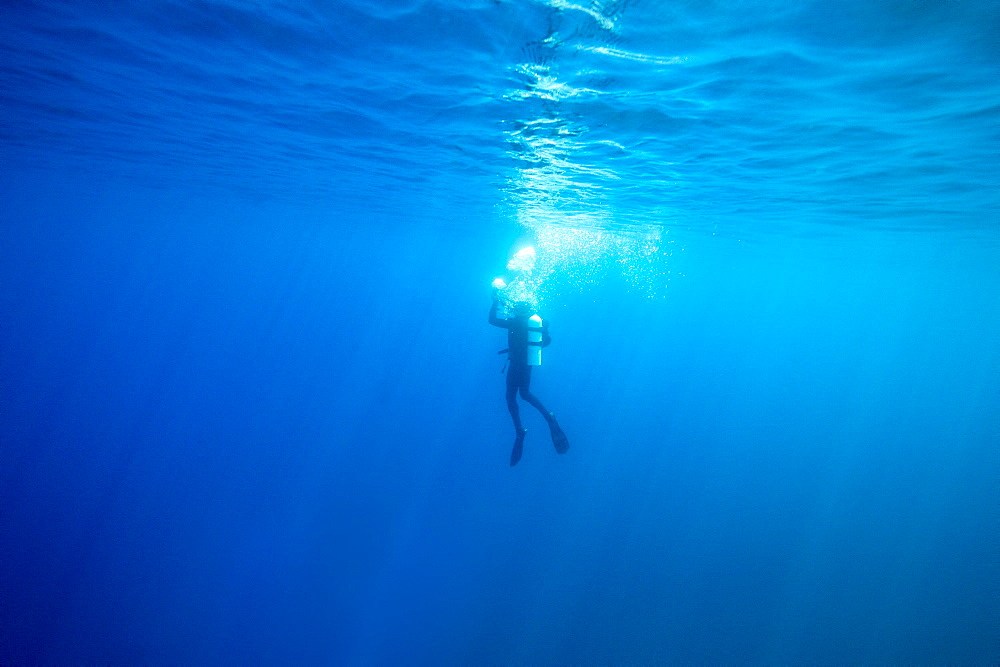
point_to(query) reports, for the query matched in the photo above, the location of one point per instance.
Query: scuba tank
(534, 341)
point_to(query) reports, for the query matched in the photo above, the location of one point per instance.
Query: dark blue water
(252, 410)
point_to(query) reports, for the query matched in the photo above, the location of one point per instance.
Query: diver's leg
(559, 439)
(513, 380)
(515, 412)
(531, 398)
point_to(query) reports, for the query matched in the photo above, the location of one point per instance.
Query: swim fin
(515, 454)
(559, 440)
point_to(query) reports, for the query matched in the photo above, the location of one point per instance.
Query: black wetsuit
(519, 372)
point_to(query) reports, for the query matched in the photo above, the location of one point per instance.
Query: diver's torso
(517, 340)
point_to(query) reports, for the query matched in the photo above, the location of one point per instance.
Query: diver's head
(522, 309)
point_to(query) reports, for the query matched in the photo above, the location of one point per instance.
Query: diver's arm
(494, 320)
(546, 338)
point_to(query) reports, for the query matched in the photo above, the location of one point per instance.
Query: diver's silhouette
(519, 372)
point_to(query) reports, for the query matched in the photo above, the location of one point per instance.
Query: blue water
(252, 410)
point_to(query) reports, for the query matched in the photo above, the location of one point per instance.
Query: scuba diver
(526, 336)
